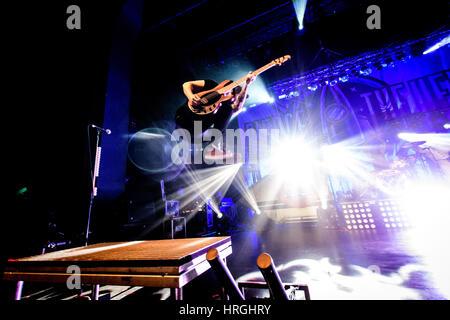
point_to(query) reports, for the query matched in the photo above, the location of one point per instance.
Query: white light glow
(438, 45)
(436, 140)
(327, 281)
(426, 207)
(293, 161)
(300, 7)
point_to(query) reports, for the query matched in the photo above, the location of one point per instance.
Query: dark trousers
(185, 118)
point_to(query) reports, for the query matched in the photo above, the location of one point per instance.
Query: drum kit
(404, 166)
(413, 160)
(397, 166)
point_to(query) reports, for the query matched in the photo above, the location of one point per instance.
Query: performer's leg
(223, 117)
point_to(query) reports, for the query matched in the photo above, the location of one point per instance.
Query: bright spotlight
(426, 206)
(338, 158)
(293, 161)
(300, 7)
(402, 135)
(406, 136)
(435, 140)
(343, 78)
(438, 45)
(447, 126)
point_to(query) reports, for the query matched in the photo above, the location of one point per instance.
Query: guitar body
(211, 99)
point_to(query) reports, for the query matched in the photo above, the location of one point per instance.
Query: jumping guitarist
(219, 119)
(213, 104)
(185, 117)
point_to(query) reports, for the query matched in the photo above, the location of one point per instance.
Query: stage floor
(334, 264)
(348, 265)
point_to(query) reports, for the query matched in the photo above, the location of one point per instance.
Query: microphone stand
(98, 150)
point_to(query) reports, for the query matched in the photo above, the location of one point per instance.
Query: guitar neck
(236, 83)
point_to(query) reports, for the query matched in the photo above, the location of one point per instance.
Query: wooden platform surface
(165, 263)
(171, 250)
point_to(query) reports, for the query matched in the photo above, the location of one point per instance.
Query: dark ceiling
(211, 31)
(194, 39)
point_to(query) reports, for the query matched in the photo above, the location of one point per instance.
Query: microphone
(107, 131)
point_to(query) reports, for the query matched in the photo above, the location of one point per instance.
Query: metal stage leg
(267, 267)
(95, 291)
(19, 288)
(307, 295)
(223, 274)
(225, 296)
(176, 293)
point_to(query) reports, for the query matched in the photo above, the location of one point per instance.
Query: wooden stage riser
(170, 251)
(147, 280)
(225, 250)
(101, 279)
(155, 263)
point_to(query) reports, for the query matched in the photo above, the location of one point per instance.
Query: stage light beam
(438, 45)
(240, 184)
(436, 140)
(300, 8)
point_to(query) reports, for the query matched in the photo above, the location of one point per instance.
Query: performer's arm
(241, 96)
(189, 89)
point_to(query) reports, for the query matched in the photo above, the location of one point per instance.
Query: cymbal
(413, 144)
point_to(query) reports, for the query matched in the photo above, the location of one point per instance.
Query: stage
(336, 265)
(203, 150)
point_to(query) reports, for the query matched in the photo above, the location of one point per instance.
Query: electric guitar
(212, 99)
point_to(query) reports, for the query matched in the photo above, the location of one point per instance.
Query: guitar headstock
(282, 60)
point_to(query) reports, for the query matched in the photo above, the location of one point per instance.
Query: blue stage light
(293, 94)
(438, 45)
(365, 70)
